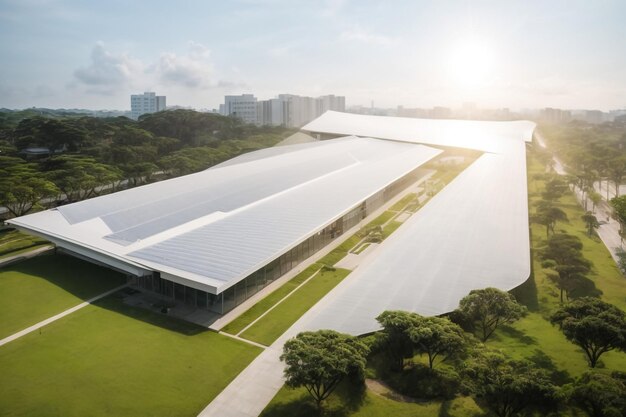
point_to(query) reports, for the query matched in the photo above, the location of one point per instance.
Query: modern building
(215, 238)
(286, 110)
(242, 107)
(473, 234)
(146, 103)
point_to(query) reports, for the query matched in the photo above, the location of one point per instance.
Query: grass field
(110, 359)
(13, 242)
(296, 403)
(277, 321)
(35, 289)
(254, 312)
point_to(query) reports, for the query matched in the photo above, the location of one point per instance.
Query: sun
(471, 63)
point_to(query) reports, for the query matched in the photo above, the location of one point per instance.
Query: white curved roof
(213, 228)
(472, 234)
(471, 134)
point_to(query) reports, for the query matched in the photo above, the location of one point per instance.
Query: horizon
(520, 55)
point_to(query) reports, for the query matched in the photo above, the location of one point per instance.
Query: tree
(595, 198)
(555, 188)
(80, 177)
(21, 186)
(547, 215)
(563, 254)
(395, 339)
(616, 169)
(320, 360)
(619, 208)
(508, 386)
(600, 395)
(591, 221)
(595, 326)
(437, 337)
(490, 308)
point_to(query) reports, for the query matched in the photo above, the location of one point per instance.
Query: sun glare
(470, 64)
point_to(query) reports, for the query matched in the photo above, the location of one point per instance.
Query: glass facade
(246, 288)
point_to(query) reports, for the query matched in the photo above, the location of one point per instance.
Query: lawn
(254, 312)
(109, 359)
(296, 403)
(277, 321)
(13, 242)
(38, 288)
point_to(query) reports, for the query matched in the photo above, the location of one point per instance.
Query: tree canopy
(600, 395)
(563, 254)
(437, 337)
(490, 308)
(508, 386)
(320, 360)
(595, 326)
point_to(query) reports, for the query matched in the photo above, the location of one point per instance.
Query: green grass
(13, 243)
(361, 248)
(390, 228)
(403, 202)
(266, 303)
(277, 321)
(340, 251)
(110, 359)
(534, 337)
(37, 288)
(380, 220)
(296, 403)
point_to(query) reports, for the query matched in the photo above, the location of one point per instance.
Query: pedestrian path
(58, 316)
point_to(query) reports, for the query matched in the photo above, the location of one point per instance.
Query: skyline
(564, 54)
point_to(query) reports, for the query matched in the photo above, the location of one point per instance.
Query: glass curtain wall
(237, 294)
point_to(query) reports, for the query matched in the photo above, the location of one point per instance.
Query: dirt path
(380, 388)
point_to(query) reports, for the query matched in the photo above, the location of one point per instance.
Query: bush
(419, 381)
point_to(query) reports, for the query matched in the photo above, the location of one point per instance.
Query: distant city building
(145, 103)
(594, 116)
(551, 115)
(286, 110)
(242, 107)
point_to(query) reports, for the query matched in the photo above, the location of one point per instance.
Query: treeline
(458, 362)
(50, 157)
(591, 152)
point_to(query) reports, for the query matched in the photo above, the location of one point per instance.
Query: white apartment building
(286, 110)
(242, 106)
(145, 103)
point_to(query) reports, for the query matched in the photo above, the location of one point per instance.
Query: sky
(515, 54)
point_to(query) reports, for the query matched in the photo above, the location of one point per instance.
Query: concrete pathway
(58, 316)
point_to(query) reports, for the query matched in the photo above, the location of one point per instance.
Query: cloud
(108, 72)
(193, 70)
(360, 35)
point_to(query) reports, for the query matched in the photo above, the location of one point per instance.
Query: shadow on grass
(526, 293)
(346, 400)
(513, 333)
(116, 304)
(79, 278)
(543, 361)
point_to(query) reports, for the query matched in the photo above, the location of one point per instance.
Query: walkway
(58, 316)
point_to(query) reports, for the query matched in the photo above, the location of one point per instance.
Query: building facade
(288, 110)
(146, 103)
